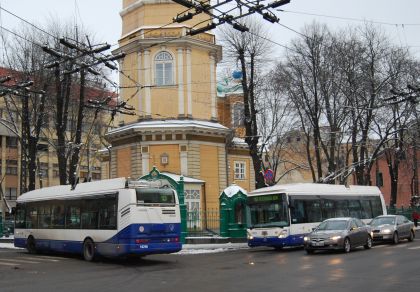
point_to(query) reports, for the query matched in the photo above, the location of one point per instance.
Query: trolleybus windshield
(268, 211)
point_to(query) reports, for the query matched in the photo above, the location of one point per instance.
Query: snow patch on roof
(232, 190)
(317, 189)
(182, 124)
(187, 179)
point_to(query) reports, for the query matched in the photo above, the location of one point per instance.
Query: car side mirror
(313, 229)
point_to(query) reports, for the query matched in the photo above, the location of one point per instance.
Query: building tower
(170, 79)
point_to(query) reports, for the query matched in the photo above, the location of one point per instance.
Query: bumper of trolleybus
(274, 241)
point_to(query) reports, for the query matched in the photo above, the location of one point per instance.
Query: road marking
(47, 259)
(8, 264)
(20, 261)
(417, 247)
(401, 246)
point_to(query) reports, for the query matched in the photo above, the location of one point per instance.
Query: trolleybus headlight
(306, 238)
(335, 237)
(283, 234)
(250, 237)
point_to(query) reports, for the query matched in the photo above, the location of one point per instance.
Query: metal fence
(407, 212)
(203, 223)
(6, 228)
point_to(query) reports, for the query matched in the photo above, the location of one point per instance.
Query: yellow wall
(157, 14)
(124, 162)
(209, 170)
(246, 183)
(173, 152)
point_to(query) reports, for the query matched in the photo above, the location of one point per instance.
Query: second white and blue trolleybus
(114, 217)
(281, 215)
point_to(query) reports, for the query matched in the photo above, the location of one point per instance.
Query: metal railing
(204, 223)
(6, 229)
(407, 212)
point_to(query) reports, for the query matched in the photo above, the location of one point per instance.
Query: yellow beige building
(181, 126)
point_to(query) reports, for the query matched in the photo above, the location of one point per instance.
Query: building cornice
(141, 3)
(140, 44)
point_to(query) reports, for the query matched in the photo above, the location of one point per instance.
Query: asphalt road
(383, 268)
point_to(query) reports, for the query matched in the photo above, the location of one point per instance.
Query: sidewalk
(197, 248)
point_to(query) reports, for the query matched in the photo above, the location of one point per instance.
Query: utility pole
(83, 58)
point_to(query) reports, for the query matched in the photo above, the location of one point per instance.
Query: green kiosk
(233, 212)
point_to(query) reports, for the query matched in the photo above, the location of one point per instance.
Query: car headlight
(306, 238)
(337, 237)
(386, 230)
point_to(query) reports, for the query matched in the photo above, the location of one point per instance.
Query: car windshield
(268, 211)
(333, 225)
(383, 220)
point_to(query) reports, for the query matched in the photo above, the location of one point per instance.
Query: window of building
(238, 114)
(379, 179)
(11, 170)
(163, 69)
(11, 142)
(239, 170)
(11, 194)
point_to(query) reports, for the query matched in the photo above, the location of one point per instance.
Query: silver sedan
(392, 228)
(339, 234)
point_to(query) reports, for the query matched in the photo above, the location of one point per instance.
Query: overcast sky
(102, 17)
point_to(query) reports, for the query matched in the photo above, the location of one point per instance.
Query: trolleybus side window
(108, 213)
(98, 212)
(20, 216)
(73, 215)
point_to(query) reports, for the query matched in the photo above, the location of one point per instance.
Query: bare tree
(55, 59)
(248, 49)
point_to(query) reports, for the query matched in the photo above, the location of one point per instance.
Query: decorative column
(147, 83)
(184, 163)
(139, 101)
(213, 88)
(180, 60)
(145, 157)
(189, 92)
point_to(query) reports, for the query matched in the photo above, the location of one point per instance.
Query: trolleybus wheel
(88, 250)
(31, 245)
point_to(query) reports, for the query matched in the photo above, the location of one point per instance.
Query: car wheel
(347, 245)
(411, 237)
(31, 245)
(88, 250)
(368, 244)
(395, 238)
(309, 251)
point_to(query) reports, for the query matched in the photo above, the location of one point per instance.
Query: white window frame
(164, 58)
(239, 170)
(238, 114)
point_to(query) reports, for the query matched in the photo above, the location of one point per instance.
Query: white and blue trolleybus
(281, 215)
(114, 217)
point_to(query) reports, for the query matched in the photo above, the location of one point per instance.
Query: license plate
(317, 243)
(264, 233)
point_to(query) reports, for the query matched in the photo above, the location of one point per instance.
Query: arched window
(163, 69)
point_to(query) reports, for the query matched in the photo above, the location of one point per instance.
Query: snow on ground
(187, 249)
